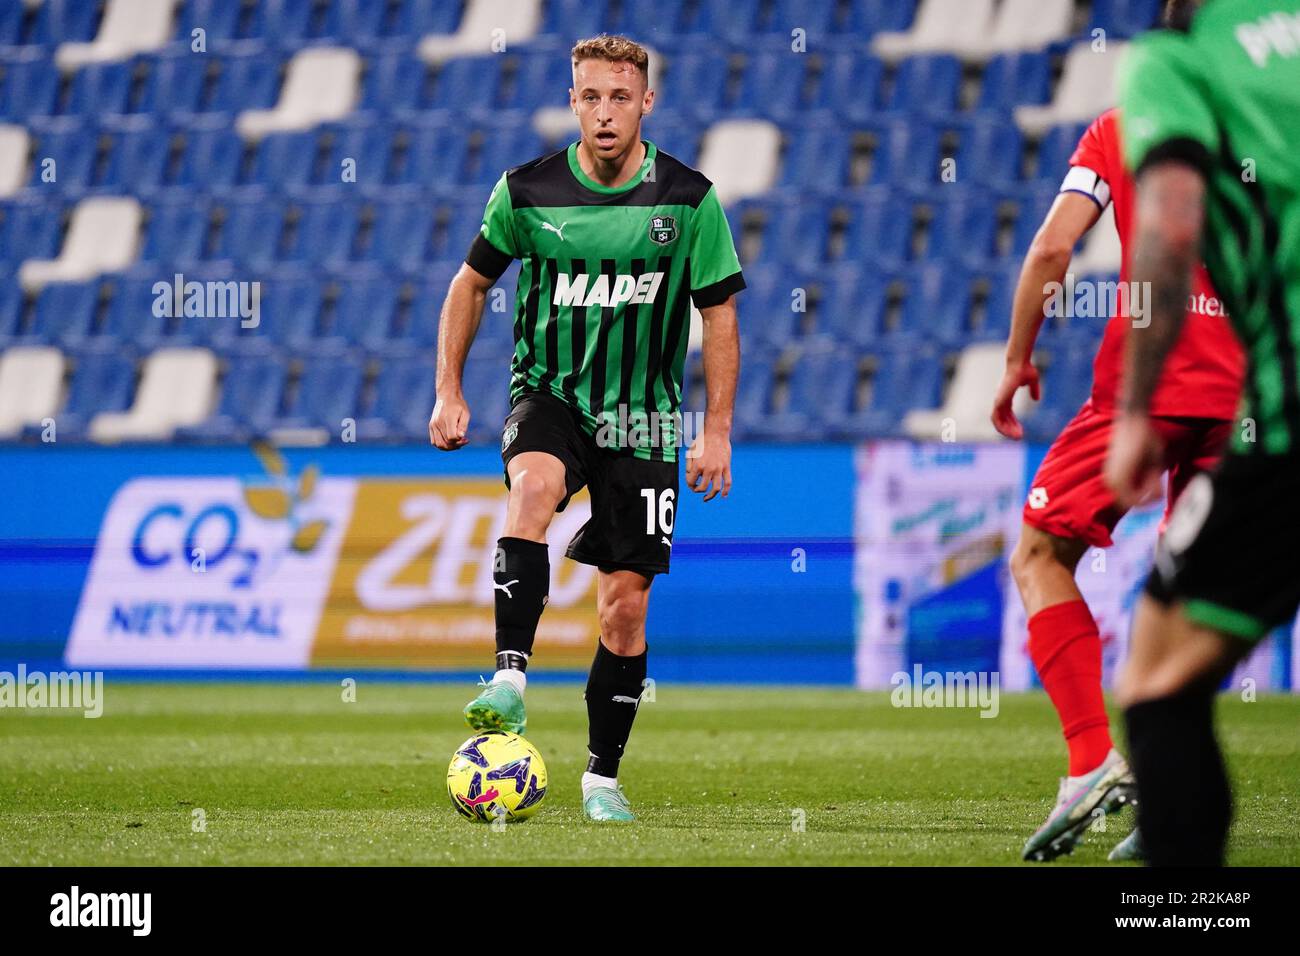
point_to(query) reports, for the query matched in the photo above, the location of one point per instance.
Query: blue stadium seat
(1066, 384)
(244, 81)
(217, 19)
(1011, 79)
(1054, 151)
(1032, 206)
(284, 160)
(11, 306)
(71, 145)
(138, 159)
(362, 313)
(926, 85)
(64, 312)
(504, 144)
(251, 392)
(906, 154)
(398, 24)
(675, 134)
(793, 231)
(853, 304)
(903, 379)
(326, 393)
(321, 233)
(938, 301)
(869, 17)
(989, 153)
(175, 231)
(392, 82)
(754, 394)
(879, 229)
(850, 87)
(210, 159)
(30, 230)
(821, 390)
(469, 83)
(486, 387)
(369, 146)
(962, 226)
(290, 310)
(404, 399)
(402, 232)
(254, 230)
(699, 79)
(44, 25)
(1123, 18)
(541, 78)
(773, 85)
(736, 21)
(133, 314)
(102, 380)
(771, 310)
(175, 83)
(31, 87)
(99, 89)
(569, 19)
(815, 157)
(815, 17)
(430, 154)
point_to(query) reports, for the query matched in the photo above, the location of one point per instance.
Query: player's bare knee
(622, 621)
(535, 494)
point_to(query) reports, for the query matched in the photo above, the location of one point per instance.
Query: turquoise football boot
(497, 707)
(605, 804)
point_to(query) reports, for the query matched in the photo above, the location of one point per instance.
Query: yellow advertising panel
(412, 586)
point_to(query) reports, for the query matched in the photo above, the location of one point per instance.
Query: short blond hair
(615, 49)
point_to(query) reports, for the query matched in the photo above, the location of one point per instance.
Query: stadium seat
(820, 393)
(321, 85)
(31, 384)
(961, 227)
(481, 22)
(1086, 90)
(101, 381)
(814, 158)
(941, 26)
(740, 157)
(903, 378)
(1123, 18)
(29, 228)
(251, 391)
(937, 304)
(31, 87)
(102, 237)
(925, 84)
(989, 153)
(905, 154)
(964, 414)
(1054, 151)
(1024, 25)
(849, 87)
(128, 27)
(1011, 79)
(404, 398)
(326, 394)
(879, 230)
(176, 388)
(64, 312)
(14, 146)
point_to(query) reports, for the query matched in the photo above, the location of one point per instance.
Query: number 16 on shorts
(659, 506)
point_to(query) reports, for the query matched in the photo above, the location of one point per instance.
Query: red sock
(1066, 650)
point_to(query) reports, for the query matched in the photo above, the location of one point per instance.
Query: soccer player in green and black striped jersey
(616, 239)
(1211, 121)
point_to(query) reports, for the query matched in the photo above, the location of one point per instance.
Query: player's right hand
(449, 423)
(1003, 418)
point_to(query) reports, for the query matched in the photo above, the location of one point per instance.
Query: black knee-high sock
(1184, 798)
(521, 579)
(613, 695)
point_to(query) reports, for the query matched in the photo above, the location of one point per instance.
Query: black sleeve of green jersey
(718, 292)
(486, 259)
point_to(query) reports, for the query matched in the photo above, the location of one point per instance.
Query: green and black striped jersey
(602, 310)
(1225, 96)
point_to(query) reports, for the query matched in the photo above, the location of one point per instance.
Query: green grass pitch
(291, 774)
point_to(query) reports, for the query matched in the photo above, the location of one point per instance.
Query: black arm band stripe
(719, 292)
(486, 259)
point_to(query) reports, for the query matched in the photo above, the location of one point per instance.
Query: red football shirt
(1203, 374)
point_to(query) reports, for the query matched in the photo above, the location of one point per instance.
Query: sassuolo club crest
(663, 229)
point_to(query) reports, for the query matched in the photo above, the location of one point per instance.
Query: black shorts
(1229, 555)
(633, 500)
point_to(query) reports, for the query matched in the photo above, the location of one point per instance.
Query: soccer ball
(496, 773)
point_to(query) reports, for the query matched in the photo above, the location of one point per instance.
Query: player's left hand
(708, 465)
(1134, 464)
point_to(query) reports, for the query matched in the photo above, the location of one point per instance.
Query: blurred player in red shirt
(1069, 508)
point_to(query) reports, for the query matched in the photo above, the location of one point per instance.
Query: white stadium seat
(941, 26)
(1086, 90)
(1025, 25)
(741, 157)
(178, 388)
(104, 237)
(483, 26)
(31, 386)
(979, 369)
(322, 85)
(129, 27)
(14, 145)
